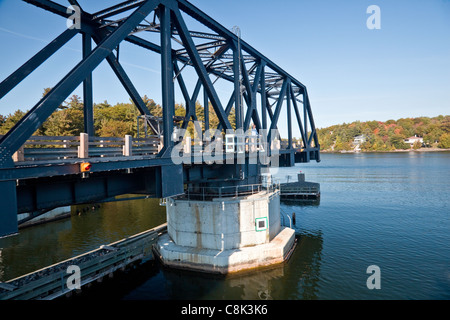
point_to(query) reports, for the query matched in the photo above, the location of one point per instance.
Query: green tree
(398, 143)
(67, 121)
(417, 145)
(444, 141)
(10, 120)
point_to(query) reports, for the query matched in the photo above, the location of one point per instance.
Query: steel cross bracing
(215, 54)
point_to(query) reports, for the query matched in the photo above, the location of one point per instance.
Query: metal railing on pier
(209, 192)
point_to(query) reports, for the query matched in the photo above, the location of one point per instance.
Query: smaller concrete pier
(300, 190)
(225, 234)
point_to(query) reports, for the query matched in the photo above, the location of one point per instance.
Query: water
(388, 209)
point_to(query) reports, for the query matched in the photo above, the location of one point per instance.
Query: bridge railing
(234, 143)
(39, 148)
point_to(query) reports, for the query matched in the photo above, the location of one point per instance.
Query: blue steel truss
(218, 53)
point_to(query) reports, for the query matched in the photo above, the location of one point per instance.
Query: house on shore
(412, 140)
(358, 141)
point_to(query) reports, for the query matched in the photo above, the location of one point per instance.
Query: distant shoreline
(390, 151)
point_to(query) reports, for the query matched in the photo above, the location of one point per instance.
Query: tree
(417, 145)
(444, 141)
(10, 120)
(67, 121)
(398, 143)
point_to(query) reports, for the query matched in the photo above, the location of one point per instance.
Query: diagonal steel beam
(273, 124)
(50, 6)
(311, 121)
(299, 120)
(19, 134)
(190, 108)
(252, 112)
(116, 9)
(200, 68)
(17, 76)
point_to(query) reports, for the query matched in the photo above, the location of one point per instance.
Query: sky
(351, 72)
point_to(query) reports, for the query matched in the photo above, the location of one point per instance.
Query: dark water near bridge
(391, 210)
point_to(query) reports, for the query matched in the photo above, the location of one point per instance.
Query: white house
(357, 141)
(412, 140)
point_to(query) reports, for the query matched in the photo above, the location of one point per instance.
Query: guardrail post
(187, 145)
(83, 148)
(127, 148)
(161, 143)
(19, 155)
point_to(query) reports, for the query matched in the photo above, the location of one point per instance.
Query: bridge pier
(225, 234)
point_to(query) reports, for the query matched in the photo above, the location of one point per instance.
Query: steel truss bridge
(261, 89)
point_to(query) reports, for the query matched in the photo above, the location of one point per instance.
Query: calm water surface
(389, 209)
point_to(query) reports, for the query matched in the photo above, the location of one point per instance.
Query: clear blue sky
(351, 72)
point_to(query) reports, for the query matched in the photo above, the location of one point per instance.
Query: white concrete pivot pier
(225, 234)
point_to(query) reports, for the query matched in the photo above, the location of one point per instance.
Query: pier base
(225, 235)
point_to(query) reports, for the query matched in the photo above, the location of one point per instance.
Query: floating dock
(300, 190)
(52, 282)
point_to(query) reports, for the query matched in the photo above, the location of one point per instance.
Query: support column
(289, 115)
(206, 110)
(237, 89)
(87, 91)
(167, 79)
(263, 98)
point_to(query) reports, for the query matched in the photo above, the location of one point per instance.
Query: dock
(300, 190)
(54, 281)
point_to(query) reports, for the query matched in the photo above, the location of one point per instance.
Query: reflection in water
(42, 245)
(298, 278)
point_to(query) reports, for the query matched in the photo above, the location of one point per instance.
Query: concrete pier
(225, 234)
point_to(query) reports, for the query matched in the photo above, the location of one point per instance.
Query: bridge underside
(261, 92)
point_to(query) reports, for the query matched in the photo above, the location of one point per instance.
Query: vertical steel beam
(289, 116)
(305, 118)
(237, 89)
(263, 98)
(206, 109)
(168, 102)
(88, 103)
